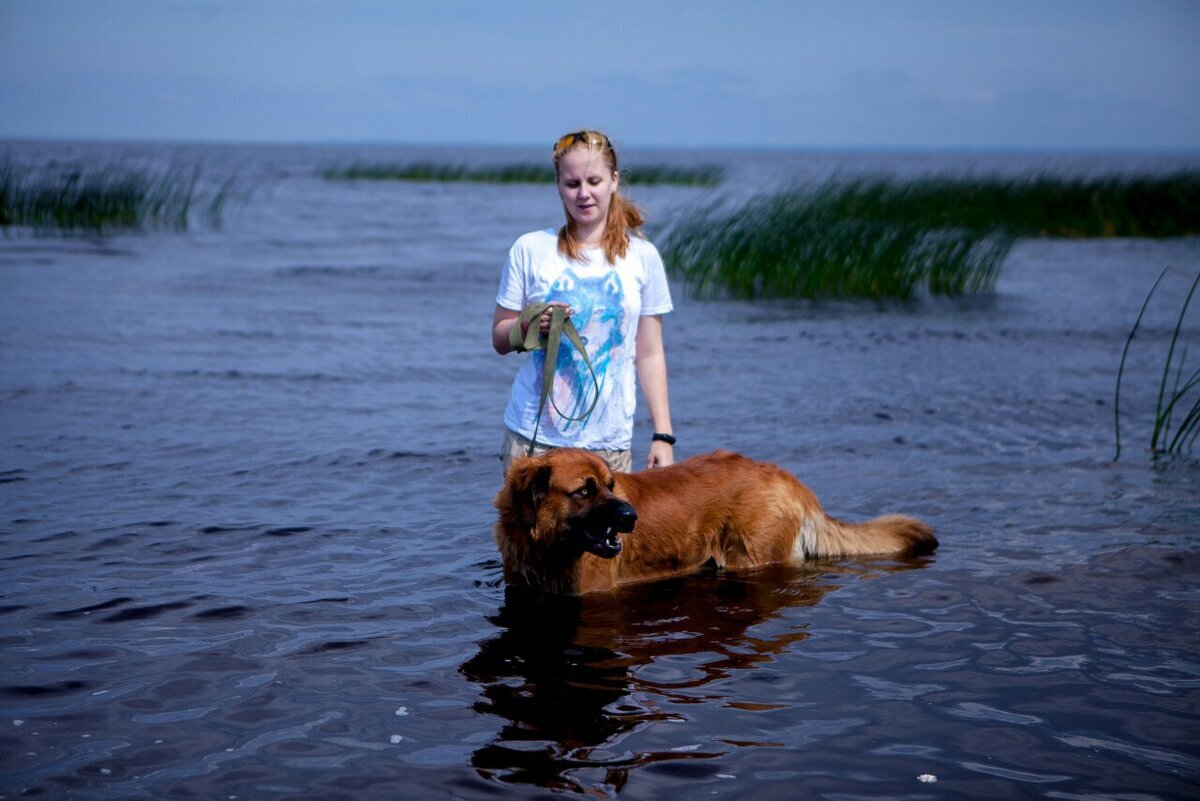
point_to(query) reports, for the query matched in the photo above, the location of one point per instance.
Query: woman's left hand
(661, 455)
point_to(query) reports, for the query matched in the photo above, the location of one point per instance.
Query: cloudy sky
(1040, 74)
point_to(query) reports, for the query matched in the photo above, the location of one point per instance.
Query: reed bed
(1177, 410)
(885, 237)
(1036, 206)
(650, 175)
(102, 198)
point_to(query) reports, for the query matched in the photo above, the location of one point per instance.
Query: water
(247, 476)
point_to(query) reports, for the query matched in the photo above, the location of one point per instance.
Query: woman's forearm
(652, 372)
(502, 322)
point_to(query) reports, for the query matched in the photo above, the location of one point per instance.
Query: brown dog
(562, 515)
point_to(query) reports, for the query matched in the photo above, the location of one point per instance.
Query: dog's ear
(527, 482)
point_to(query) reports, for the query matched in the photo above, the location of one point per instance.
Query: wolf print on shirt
(599, 316)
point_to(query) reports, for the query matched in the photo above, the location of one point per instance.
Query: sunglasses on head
(587, 137)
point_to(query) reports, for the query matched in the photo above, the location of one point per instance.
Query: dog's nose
(624, 517)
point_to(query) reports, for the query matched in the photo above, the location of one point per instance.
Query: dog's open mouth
(605, 543)
(602, 537)
(599, 530)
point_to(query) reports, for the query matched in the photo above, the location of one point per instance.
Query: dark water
(246, 516)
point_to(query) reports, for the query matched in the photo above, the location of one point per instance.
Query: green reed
(101, 198)
(1176, 423)
(650, 175)
(664, 175)
(884, 237)
(1035, 206)
(805, 245)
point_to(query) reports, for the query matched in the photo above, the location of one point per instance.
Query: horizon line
(996, 149)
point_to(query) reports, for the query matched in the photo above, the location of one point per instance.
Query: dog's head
(566, 498)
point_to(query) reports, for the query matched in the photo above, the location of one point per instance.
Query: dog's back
(741, 513)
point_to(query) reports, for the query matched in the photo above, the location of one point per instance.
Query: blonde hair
(624, 216)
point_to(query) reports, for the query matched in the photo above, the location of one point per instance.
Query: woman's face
(586, 185)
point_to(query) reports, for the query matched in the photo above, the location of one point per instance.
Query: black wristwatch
(661, 437)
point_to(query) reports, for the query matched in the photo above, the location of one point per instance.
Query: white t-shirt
(608, 299)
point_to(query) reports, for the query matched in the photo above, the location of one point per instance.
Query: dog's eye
(584, 492)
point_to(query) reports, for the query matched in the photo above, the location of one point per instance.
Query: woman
(612, 283)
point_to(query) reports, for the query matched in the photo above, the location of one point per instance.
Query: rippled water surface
(246, 485)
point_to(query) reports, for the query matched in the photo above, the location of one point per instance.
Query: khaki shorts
(515, 445)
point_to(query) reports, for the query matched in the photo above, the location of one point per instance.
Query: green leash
(534, 340)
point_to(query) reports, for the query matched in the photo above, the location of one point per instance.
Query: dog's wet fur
(569, 524)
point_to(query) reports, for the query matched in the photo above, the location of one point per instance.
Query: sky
(922, 74)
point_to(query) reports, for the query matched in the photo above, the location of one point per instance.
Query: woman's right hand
(504, 320)
(544, 320)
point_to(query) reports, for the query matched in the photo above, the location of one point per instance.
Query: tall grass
(661, 174)
(650, 175)
(885, 237)
(1035, 206)
(102, 198)
(1176, 423)
(430, 171)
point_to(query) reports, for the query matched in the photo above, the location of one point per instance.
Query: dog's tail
(822, 536)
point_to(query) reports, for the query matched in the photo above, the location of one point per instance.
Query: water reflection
(572, 678)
